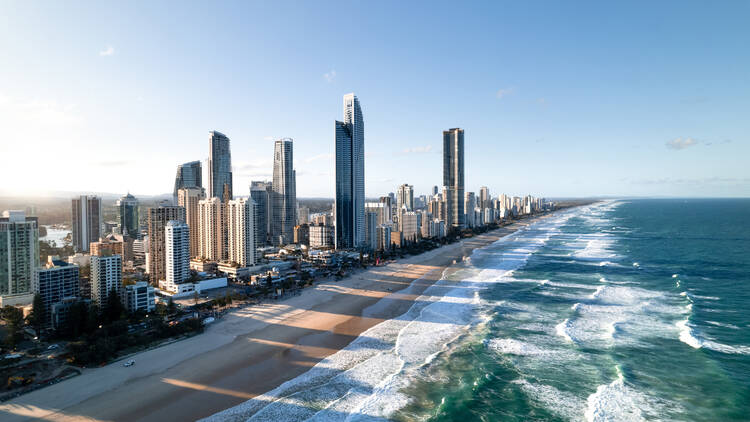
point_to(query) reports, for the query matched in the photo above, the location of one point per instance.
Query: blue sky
(556, 98)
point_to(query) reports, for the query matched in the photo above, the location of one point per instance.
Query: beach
(250, 351)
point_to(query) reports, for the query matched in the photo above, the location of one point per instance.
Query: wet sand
(247, 353)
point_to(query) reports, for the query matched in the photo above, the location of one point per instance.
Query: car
(131, 362)
(53, 346)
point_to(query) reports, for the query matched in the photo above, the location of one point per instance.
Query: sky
(557, 99)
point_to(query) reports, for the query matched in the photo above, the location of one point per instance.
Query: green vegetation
(13, 318)
(38, 316)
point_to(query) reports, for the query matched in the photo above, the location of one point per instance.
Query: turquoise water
(618, 311)
(629, 310)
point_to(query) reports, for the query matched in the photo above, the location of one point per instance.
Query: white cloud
(418, 150)
(504, 92)
(330, 76)
(107, 51)
(680, 143)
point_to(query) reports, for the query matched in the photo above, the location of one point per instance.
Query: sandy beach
(249, 352)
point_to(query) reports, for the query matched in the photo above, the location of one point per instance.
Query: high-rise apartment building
(19, 257)
(384, 237)
(470, 202)
(371, 230)
(212, 224)
(106, 276)
(58, 281)
(260, 192)
(87, 221)
(408, 225)
(453, 175)
(350, 176)
(158, 217)
(320, 236)
(387, 202)
(302, 234)
(484, 197)
(284, 197)
(177, 251)
(219, 166)
(405, 196)
(127, 216)
(188, 198)
(241, 232)
(189, 175)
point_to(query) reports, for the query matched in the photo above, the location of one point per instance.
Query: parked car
(53, 346)
(131, 362)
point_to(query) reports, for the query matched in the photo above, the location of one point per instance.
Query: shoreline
(250, 351)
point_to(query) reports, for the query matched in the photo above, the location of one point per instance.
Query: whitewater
(592, 314)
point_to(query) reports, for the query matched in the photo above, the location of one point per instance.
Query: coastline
(251, 351)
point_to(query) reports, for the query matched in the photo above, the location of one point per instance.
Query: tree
(171, 308)
(92, 319)
(13, 318)
(38, 316)
(77, 319)
(85, 271)
(228, 298)
(114, 307)
(195, 297)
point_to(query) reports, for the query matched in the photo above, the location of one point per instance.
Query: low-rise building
(191, 287)
(203, 265)
(138, 297)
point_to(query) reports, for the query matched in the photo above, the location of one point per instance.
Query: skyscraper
(284, 209)
(241, 232)
(106, 276)
(260, 192)
(158, 217)
(19, 257)
(127, 216)
(350, 176)
(177, 251)
(213, 229)
(188, 198)
(189, 175)
(219, 166)
(453, 175)
(87, 221)
(484, 198)
(371, 230)
(405, 196)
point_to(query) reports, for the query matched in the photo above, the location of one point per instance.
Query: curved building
(350, 176)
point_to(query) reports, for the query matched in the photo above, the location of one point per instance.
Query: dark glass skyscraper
(350, 176)
(219, 167)
(127, 216)
(453, 176)
(259, 192)
(189, 175)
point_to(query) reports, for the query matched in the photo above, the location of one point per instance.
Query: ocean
(618, 311)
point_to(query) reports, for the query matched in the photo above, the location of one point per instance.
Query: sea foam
(367, 377)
